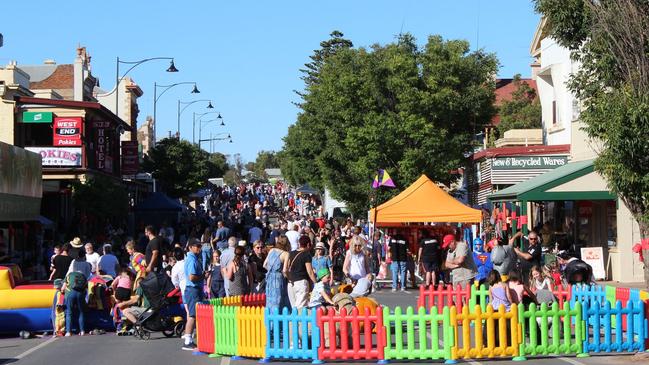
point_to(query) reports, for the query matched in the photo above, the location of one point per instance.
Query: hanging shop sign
(58, 156)
(103, 143)
(67, 131)
(130, 158)
(37, 117)
(528, 162)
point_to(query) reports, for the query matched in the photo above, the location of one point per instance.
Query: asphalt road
(109, 349)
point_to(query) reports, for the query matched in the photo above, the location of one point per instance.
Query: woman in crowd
(299, 269)
(276, 284)
(239, 273)
(356, 265)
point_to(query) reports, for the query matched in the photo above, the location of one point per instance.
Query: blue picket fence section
(604, 331)
(587, 293)
(292, 334)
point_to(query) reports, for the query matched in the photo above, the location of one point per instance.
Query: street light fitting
(209, 106)
(172, 67)
(195, 90)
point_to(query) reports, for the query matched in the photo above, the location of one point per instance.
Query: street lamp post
(213, 139)
(186, 105)
(118, 79)
(201, 121)
(156, 97)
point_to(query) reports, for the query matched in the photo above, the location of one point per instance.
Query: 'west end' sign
(528, 162)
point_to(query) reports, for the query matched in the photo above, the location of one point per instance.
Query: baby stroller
(160, 316)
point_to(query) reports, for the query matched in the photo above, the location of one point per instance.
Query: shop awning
(573, 181)
(424, 201)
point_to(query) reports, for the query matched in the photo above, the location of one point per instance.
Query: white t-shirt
(80, 266)
(93, 260)
(107, 264)
(293, 238)
(178, 275)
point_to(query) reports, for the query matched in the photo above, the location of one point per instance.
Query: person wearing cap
(194, 278)
(321, 291)
(429, 256)
(459, 260)
(398, 255)
(322, 261)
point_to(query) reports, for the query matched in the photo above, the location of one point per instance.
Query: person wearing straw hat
(76, 246)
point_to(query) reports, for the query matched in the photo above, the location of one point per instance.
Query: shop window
(554, 112)
(611, 223)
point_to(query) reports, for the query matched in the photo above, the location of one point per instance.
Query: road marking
(225, 360)
(569, 361)
(40, 346)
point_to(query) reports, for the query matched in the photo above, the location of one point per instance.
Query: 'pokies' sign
(67, 131)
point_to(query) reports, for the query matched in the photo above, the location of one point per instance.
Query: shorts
(136, 311)
(192, 296)
(430, 266)
(123, 294)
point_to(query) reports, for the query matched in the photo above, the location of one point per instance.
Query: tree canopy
(181, 167)
(609, 39)
(522, 111)
(400, 107)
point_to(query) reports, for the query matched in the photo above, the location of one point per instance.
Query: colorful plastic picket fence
(205, 328)
(341, 334)
(587, 293)
(562, 294)
(253, 300)
(441, 296)
(427, 327)
(599, 320)
(292, 334)
(541, 330)
(479, 296)
(232, 301)
(472, 343)
(227, 331)
(252, 332)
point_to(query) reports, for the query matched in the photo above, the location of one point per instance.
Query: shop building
(572, 205)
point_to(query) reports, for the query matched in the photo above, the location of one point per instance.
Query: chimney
(49, 61)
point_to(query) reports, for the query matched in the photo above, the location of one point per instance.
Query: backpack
(77, 281)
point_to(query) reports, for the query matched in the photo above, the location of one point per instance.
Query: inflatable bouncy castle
(24, 305)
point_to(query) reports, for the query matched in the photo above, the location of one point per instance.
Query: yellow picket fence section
(252, 332)
(500, 328)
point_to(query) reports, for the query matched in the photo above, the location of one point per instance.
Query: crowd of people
(266, 239)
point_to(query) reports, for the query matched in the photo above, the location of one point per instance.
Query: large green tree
(181, 167)
(100, 198)
(408, 109)
(610, 41)
(522, 111)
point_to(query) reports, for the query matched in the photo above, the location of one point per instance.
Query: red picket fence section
(563, 294)
(443, 296)
(253, 300)
(623, 295)
(205, 328)
(341, 334)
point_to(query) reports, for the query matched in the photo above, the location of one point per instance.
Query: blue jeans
(74, 300)
(206, 255)
(398, 268)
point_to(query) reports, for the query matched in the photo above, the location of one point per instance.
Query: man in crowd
(194, 279)
(293, 235)
(460, 260)
(153, 253)
(530, 255)
(61, 263)
(108, 263)
(226, 256)
(221, 236)
(398, 253)
(92, 257)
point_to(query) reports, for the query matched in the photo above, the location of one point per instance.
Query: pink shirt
(123, 282)
(517, 292)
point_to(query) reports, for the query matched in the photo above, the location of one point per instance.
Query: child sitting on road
(321, 291)
(122, 286)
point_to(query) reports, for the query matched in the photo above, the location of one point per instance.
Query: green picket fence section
(427, 327)
(216, 301)
(479, 296)
(227, 330)
(554, 326)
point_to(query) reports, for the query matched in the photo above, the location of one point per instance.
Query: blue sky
(245, 55)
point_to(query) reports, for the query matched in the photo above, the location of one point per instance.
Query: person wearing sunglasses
(530, 255)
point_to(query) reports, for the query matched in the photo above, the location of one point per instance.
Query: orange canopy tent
(423, 201)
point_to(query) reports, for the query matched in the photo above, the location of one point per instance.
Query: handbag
(383, 271)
